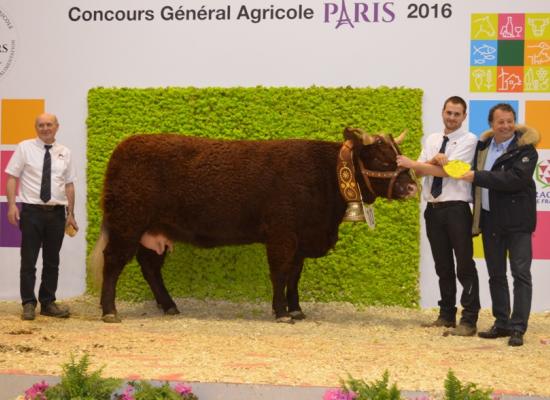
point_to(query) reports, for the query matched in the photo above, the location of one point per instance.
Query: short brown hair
(456, 100)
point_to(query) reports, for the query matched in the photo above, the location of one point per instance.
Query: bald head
(47, 117)
(46, 126)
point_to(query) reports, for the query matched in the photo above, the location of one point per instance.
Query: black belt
(444, 204)
(44, 207)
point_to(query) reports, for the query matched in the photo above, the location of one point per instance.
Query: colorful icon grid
(510, 53)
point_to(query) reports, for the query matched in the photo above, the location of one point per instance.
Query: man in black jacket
(505, 213)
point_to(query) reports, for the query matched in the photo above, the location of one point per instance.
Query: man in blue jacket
(505, 213)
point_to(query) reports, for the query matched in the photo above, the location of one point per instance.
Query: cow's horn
(367, 139)
(401, 137)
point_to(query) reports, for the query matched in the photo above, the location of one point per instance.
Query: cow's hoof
(172, 311)
(111, 318)
(298, 315)
(285, 320)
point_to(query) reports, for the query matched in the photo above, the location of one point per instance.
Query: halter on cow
(350, 190)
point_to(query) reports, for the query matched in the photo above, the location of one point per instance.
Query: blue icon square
(479, 113)
(483, 53)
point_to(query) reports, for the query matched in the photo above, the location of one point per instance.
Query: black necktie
(46, 184)
(437, 184)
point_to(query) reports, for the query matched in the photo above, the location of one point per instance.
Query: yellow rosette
(456, 168)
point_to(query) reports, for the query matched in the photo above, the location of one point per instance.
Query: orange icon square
(536, 115)
(18, 117)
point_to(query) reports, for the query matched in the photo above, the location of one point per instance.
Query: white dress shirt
(461, 146)
(26, 164)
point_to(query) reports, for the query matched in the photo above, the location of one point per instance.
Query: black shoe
(516, 339)
(28, 312)
(495, 332)
(54, 310)
(439, 322)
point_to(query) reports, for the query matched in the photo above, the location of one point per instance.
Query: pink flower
(127, 394)
(36, 391)
(339, 394)
(182, 389)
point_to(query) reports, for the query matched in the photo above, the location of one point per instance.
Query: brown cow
(284, 193)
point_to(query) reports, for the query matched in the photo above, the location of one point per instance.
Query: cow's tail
(96, 260)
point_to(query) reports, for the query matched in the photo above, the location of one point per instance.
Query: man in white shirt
(449, 218)
(46, 178)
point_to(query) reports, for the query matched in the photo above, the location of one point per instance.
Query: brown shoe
(54, 310)
(464, 330)
(28, 312)
(439, 322)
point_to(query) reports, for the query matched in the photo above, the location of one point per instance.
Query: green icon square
(483, 79)
(510, 52)
(537, 79)
(537, 26)
(484, 26)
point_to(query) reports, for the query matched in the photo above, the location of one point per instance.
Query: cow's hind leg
(292, 296)
(281, 248)
(151, 264)
(116, 255)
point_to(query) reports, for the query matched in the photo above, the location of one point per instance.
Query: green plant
(366, 267)
(78, 383)
(456, 390)
(377, 390)
(142, 390)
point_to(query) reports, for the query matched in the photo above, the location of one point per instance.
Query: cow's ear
(358, 137)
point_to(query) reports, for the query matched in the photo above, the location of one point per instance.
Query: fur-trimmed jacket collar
(526, 135)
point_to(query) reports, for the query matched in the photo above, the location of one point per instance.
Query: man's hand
(468, 176)
(439, 159)
(13, 214)
(71, 221)
(405, 162)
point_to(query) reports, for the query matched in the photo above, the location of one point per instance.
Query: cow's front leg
(292, 294)
(151, 264)
(116, 256)
(281, 248)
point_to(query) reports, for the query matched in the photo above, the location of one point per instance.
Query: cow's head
(375, 161)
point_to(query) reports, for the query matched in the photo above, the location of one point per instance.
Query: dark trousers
(40, 228)
(449, 229)
(517, 246)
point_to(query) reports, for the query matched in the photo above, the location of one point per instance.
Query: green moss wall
(366, 267)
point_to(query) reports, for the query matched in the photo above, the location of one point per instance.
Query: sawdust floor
(216, 341)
